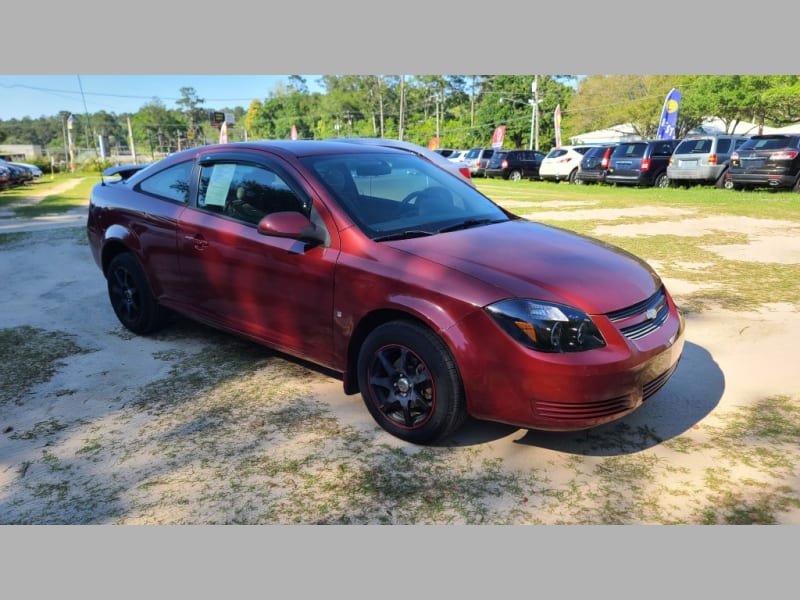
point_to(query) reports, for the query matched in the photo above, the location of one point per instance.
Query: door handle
(198, 241)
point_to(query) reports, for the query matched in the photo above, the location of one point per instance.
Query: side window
(662, 150)
(723, 145)
(245, 192)
(171, 183)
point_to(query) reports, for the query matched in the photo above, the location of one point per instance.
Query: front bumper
(508, 383)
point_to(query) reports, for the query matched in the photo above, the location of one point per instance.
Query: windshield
(401, 195)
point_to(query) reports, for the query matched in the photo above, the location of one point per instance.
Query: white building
(626, 133)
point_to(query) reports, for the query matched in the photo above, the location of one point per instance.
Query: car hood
(530, 260)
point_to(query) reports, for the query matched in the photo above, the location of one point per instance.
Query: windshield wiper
(403, 235)
(470, 223)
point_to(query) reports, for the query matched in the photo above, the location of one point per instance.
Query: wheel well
(362, 330)
(111, 251)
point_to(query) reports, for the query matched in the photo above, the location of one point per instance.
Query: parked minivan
(703, 159)
(641, 163)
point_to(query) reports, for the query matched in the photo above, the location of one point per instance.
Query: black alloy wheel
(410, 383)
(130, 295)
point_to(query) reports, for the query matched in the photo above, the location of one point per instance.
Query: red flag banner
(557, 120)
(499, 136)
(433, 144)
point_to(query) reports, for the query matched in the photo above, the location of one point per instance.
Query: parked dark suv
(514, 164)
(595, 164)
(642, 163)
(703, 159)
(766, 161)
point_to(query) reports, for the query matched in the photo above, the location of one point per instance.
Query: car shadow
(692, 393)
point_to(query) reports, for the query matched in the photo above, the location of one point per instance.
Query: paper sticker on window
(218, 185)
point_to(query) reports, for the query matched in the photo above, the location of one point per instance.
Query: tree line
(462, 111)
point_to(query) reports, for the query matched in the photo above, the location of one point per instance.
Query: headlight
(545, 326)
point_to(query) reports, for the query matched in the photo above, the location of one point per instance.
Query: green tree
(603, 101)
(192, 108)
(158, 126)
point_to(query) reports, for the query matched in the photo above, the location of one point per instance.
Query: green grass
(59, 203)
(764, 204)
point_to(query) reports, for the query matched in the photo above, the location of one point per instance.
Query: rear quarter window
(723, 146)
(172, 183)
(663, 148)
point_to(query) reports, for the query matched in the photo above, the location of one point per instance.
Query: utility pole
(536, 109)
(66, 148)
(472, 104)
(130, 140)
(436, 99)
(402, 105)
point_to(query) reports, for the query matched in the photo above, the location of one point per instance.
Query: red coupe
(432, 301)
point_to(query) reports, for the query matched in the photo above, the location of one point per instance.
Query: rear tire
(722, 181)
(514, 175)
(661, 181)
(410, 383)
(573, 174)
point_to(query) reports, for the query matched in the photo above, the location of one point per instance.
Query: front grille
(638, 331)
(647, 324)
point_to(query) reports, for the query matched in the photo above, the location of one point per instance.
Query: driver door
(277, 290)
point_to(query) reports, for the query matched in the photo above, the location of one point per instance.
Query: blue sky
(36, 95)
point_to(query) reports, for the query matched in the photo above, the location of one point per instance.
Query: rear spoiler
(124, 171)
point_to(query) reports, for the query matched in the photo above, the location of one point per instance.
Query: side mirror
(293, 225)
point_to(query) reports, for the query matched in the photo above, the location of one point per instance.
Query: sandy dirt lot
(193, 426)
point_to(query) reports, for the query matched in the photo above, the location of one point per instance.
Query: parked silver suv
(703, 159)
(477, 160)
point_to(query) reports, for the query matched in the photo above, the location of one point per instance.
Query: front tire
(130, 295)
(410, 383)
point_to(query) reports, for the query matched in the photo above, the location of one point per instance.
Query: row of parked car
(724, 160)
(15, 173)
